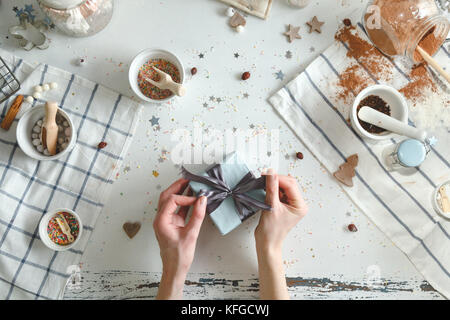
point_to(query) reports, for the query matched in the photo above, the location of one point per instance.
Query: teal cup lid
(412, 153)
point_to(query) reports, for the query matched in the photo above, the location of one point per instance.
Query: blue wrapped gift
(233, 193)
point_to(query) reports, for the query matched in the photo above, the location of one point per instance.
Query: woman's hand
(288, 208)
(177, 239)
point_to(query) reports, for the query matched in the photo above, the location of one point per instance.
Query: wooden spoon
(166, 82)
(49, 132)
(62, 222)
(433, 63)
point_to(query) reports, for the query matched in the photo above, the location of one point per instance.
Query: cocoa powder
(420, 80)
(352, 82)
(402, 21)
(363, 51)
(354, 79)
(429, 43)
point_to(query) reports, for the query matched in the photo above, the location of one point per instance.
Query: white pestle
(384, 121)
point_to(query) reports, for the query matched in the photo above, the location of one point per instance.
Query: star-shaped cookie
(315, 25)
(292, 34)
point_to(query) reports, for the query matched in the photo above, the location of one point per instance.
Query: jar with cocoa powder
(398, 27)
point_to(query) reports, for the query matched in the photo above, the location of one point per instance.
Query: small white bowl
(395, 100)
(141, 59)
(25, 129)
(44, 235)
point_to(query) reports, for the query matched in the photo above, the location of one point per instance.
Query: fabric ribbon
(246, 206)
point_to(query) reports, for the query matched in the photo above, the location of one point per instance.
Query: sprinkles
(146, 70)
(55, 233)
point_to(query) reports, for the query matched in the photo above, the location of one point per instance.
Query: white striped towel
(80, 181)
(399, 205)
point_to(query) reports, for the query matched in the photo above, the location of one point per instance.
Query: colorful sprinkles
(55, 233)
(146, 70)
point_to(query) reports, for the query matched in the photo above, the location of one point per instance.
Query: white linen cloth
(80, 181)
(399, 205)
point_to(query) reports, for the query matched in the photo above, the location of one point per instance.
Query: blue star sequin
(432, 141)
(279, 75)
(154, 121)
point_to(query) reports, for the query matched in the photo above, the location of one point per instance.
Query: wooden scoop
(49, 132)
(62, 222)
(166, 82)
(433, 63)
(444, 200)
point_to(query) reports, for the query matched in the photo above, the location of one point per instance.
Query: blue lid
(411, 153)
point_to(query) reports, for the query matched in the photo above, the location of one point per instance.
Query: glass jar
(410, 153)
(399, 27)
(78, 18)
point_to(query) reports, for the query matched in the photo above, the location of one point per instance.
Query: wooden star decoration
(292, 34)
(315, 25)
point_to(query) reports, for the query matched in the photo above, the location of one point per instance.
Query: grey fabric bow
(246, 206)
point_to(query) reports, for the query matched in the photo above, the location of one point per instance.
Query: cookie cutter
(30, 34)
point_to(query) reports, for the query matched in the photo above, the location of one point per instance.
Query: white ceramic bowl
(25, 129)
(141, 59)
(44, 235)
(395, 100)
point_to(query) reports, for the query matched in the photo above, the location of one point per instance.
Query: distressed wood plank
(118, 284)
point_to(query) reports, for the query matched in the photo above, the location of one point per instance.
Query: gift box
(234, 194)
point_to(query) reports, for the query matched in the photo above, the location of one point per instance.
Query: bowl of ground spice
(384, 99)
(142, 68)
(60, 229)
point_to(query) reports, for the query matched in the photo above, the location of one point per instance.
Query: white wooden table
(323, 260)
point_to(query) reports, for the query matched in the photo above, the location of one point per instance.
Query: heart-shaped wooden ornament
(237, 20)
(131, 229)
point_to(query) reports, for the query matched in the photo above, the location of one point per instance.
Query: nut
(102, 145)
(246, 75)
(352, 228)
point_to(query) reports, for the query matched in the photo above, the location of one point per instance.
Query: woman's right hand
(288, 208)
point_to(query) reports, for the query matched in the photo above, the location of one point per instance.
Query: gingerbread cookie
(347, 171)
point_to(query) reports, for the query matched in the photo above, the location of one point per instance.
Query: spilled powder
(352, 81)
(420, 80)
(363, 51)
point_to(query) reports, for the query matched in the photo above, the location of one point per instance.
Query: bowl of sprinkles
(60, 229)
(142, 67)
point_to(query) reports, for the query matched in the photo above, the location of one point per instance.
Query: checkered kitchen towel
(399, 205)
(79, 181)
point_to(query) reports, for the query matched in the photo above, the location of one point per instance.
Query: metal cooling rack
(8, 82)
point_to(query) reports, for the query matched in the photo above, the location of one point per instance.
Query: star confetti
(205, 105)
(246, 95)
(219, 100)
(201, 55)
(292, 34)
(279, 75)
(315, 25)
(212, 98)
(288, 54)
(154, 121)
(236, 55)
